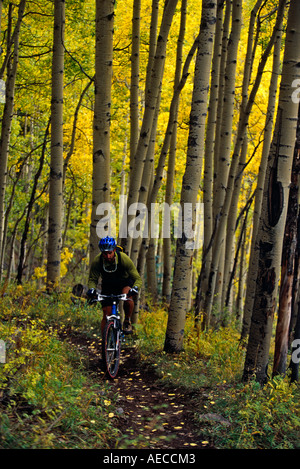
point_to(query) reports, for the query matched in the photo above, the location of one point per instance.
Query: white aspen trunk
(191, 180)
(102, 112)
(56, 163)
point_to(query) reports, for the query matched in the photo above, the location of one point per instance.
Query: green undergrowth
(229, 414)
(48, 399)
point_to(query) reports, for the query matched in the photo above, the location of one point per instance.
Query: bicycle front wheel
(111, 349)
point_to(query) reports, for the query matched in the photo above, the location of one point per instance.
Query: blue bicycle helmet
(107, 244)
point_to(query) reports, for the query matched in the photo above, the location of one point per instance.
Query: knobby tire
(111, 349)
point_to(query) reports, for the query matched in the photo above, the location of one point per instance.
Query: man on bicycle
(118, 274)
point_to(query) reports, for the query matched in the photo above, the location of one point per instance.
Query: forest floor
(148, 414)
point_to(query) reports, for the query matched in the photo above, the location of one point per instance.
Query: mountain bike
(113, 335)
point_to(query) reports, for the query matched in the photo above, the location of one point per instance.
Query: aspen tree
(169, 140)
(128, 244)
(167, 256)
(252, 269)
(221, 86)
(288, 267)
(151, 98)
(230, 229)
(135, 76)
(102, 115)
(149, 189)
(208, 175)
(224, 151)
(191, 179)
(56, 163)
(220, 237)
(12, 66)
(30, 208)
(274, 207)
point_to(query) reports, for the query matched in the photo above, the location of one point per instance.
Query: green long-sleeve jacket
(125, 269)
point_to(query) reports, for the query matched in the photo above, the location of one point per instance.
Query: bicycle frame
(112, 335)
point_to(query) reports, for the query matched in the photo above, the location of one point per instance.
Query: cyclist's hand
(133, 291)
(91, 293)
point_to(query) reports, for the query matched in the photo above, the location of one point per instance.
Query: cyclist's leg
(128, 310)
(106, 312)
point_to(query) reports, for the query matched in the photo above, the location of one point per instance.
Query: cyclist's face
(109, 255)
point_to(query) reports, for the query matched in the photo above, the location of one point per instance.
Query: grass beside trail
(48, 399)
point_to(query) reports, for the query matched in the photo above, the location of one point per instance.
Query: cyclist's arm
(94, 273)
(132, 271)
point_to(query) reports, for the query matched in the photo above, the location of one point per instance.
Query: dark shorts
(115, 288)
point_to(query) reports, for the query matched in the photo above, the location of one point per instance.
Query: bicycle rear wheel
(111, 349)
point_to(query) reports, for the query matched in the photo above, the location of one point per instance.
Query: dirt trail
(157, 417)
(147, 414)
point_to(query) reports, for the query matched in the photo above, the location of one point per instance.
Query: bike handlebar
(120, 297)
